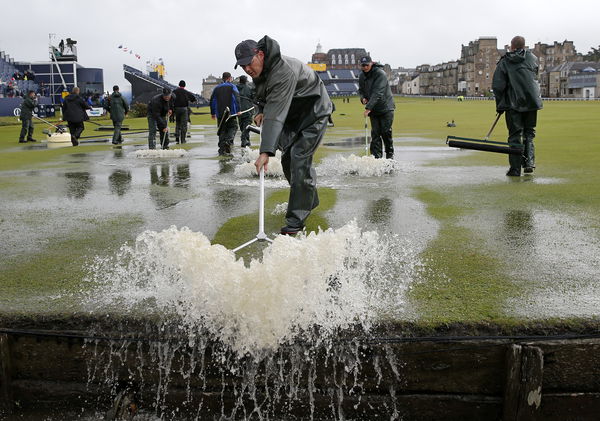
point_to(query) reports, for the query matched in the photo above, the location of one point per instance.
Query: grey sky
(196, 38)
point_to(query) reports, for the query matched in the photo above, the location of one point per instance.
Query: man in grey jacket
(518, 94)
(293, 107)
(376, 95)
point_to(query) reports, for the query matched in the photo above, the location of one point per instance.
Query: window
(333, 59)
(352, 59)
(346, 59)
(339, 59)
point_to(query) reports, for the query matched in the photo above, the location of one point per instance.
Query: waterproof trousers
(227, 136)
(381, 132)
(245, 120)
(117, 138)
(181, 120)
(521, 130)
(163, 136)
(75, 129)
(26, 128)
(296, 160)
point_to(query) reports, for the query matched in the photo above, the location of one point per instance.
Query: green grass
(57, 270)
(238, 230)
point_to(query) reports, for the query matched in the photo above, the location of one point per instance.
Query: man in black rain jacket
(74, 113)
(518, 95)
(27, 107)
(118, 108)
(293, 107)
(182, 102)
(376, 95)
(159, 109)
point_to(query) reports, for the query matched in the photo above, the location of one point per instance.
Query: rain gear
(182, 112)
(295, 107)
(27, 107)
(246, 102)
(74, 114)
(375, 88)
(514, 84)
(517, 93)
(158, 109)
(225, 95)
(118, 107)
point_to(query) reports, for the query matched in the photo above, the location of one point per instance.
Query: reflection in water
(120, 182)
(182, 176)
(168, 175)
(118, 153)
(519, 228)
(379, 211)
(78, 184)
(159, 174)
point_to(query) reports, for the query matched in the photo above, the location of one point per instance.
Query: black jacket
(73, 109)
(183, 97)
(289, 93)
(158, 109)
(246, 96)
(514, 83)
(375, 87)
(27, 107)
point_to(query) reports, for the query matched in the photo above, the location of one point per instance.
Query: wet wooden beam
(6, 398)
(523, 386)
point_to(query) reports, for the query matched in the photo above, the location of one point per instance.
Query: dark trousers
(163, 136)
(181, 121)
(381, 131)
(245, 120)
(117, 138)
(296, 161)
(227, 136)
(75, 129)
(521, 130)
(26, 128)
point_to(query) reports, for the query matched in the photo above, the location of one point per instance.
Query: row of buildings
(562, 72)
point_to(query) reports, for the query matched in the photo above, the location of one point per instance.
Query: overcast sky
(197, 38)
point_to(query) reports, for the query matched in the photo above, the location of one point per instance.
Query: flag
(121, 46)
(125, 49)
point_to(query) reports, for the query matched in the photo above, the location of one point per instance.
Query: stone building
(339, 58)
(476, 66)
(208, 84)
(551, 56)
(579, 79)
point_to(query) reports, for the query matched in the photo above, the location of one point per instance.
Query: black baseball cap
(244, 52)
(365, 60)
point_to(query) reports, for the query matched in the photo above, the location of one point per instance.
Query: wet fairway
(488, 248)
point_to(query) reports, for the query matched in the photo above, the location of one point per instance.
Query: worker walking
(159, 110)
(225, 95)
(518, 95)
(118, 108)
(181, 103)
(74, 113)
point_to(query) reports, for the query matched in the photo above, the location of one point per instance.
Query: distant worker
(293, 107)
(118, 108)
(376, 95)
(246, 103)
(181, 103)
(225, 95)
(160, 109)
(74, 113)
(518, 95)
(27, 107)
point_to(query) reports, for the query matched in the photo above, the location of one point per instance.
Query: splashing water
(363, 166)
(280, 209)
(160, 153)
(247, 168)
(333, 280)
